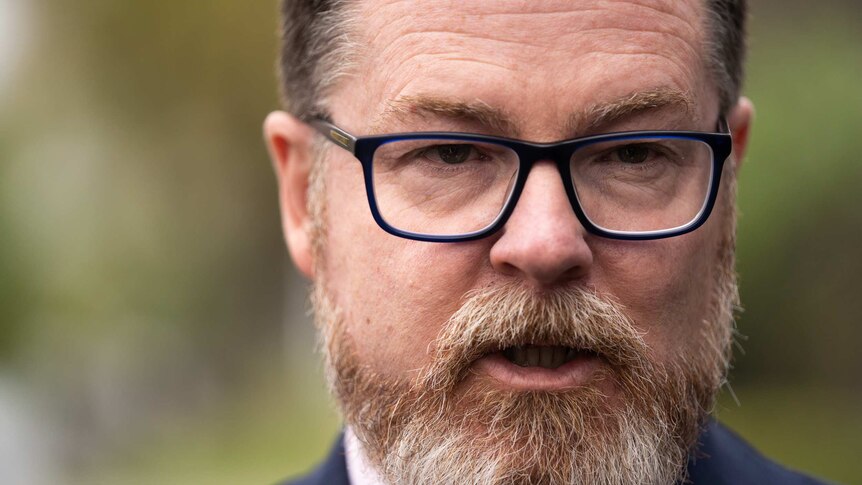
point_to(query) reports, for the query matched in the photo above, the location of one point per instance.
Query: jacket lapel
(333, 471)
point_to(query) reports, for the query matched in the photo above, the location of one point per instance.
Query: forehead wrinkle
(603, 114)
(505, 25)
(422, 106)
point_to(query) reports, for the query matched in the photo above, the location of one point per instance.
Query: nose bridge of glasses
(557, 154)
(533, 153)
(547, 156)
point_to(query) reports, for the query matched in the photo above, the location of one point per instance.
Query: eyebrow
(592, 119)
(600, 115)
(474, 112)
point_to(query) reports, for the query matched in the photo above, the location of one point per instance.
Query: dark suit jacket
(723, 459)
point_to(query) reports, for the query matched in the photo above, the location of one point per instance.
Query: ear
(289, 144)
(740, 119)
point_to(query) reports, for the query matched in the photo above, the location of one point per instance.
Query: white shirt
(359, 471)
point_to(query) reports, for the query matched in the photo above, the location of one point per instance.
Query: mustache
(496, 318)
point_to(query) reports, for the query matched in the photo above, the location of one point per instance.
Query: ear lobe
(740, 119)
(289, 143)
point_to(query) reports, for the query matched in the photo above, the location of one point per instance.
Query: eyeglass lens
(453, 187)
(642, 185)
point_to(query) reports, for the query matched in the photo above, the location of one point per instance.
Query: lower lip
(575, 373)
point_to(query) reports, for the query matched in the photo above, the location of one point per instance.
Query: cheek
(395, 294)
(665, 285)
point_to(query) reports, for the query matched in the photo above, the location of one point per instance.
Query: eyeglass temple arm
(334, 134)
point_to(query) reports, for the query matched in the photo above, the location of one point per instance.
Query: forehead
(539, 60)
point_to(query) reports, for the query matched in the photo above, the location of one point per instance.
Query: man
(498, 306)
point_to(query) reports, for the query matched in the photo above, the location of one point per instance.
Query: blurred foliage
(145, 306)
(801, 230)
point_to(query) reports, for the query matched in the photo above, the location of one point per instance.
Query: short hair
(316, 47)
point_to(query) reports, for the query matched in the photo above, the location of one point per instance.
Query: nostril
(543, 241)
(541, 261)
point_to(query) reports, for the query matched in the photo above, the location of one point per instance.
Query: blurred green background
(153, 331)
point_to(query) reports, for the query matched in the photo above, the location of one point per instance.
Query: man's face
(548, 71)
(540, 64)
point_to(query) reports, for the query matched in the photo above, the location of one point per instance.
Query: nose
(543, 241)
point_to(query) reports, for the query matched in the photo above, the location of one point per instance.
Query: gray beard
(430, 431)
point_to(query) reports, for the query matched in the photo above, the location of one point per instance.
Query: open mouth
(544, 356)
(539, 367)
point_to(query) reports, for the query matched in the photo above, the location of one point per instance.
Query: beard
(433, 429)
(430, 429)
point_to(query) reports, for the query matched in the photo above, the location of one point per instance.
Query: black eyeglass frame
(364, 147)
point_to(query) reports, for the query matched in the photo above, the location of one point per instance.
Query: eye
(633, 154)
(450, 154)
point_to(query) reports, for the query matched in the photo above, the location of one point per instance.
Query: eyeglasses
(450, 187)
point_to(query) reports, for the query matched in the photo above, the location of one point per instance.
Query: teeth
(548, 357)
(533, 356)
(560, 355)
(520, 356)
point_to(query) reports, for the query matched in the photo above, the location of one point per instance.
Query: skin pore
(539, 71)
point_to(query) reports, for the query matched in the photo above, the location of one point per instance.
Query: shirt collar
(359, 470)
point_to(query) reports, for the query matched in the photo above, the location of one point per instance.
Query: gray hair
(315, 52)
(316, 48)
(726, 47)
